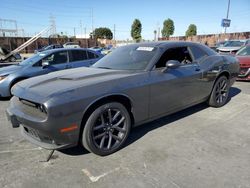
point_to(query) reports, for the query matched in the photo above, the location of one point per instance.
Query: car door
(174, 88)
(79, 58)
(57, 61)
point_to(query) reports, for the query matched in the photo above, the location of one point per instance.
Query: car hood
(244, 61)
(42, 88)
(228, 49)
(10, 69)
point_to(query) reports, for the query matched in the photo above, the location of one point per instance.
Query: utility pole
(85, 36)
(81, 27)
(92, 20)
(228, 7)
(155, 32)
(114, 35)
(8, 27)
(52, 24)
(159, 30)
(74, 32)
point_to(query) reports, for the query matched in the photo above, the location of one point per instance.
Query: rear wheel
(219, 95)
(106, 129)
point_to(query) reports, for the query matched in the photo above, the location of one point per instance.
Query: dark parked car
(43, 63)
(49, 47)
(97, 106)
(244, 57)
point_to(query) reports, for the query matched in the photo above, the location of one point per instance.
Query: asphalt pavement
(198, 147)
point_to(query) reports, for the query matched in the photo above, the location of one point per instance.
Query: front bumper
(44, 132)
(4, 89)
(244, 74)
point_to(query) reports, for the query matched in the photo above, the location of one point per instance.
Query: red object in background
(244, 68)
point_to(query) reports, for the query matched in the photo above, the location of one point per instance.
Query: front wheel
(220, 92)
(106, 129)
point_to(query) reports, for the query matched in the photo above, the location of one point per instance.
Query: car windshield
(127, 58)
(233, 43)
(244, 51)
(33, 59)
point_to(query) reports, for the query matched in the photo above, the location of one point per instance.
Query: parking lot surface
(197, 147)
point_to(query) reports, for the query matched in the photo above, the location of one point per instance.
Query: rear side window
(92, 55)
(198, 53)
(79, 55)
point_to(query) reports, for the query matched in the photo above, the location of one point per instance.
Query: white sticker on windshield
(149, 49)
(42, 54)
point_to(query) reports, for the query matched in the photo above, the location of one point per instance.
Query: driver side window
(57, 58)
(180, 54)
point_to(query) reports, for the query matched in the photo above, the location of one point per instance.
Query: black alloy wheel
(106, 129)
(219, 95)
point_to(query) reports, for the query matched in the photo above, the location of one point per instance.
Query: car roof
(63, 49)
(165, 43)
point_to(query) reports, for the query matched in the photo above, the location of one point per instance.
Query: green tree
(103, 33)
(136, 30)
(168, 28)
(191, 31)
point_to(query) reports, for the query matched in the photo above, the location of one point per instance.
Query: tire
(220, 92)
(106, 129)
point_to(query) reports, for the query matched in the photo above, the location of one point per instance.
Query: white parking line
(96, 178)
(20, 150)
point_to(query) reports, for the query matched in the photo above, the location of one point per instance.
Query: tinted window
(92, 55)
(79, 55)
(198, 53)
(57, 58)
(180, 54)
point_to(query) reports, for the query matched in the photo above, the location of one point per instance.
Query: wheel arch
(121, 98)
(222, 73)
(17, 79)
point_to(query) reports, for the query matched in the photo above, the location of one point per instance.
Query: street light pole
(228, 7)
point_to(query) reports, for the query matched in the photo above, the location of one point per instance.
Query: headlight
(3, 77)
(42, 108)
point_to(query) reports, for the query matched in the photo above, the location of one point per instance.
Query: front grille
(36, 135)
(33, 133)
(29, 108)
(244, 72)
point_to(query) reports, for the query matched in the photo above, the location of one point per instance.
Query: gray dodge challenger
(98, 106)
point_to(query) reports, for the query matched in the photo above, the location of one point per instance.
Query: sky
(69, 15)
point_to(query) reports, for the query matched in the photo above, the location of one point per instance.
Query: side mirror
(45, 64)
(172, 64)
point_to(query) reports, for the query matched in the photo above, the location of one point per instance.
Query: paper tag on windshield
(149, 49)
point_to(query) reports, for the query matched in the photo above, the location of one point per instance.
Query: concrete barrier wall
(12, 43)
(212, 39)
